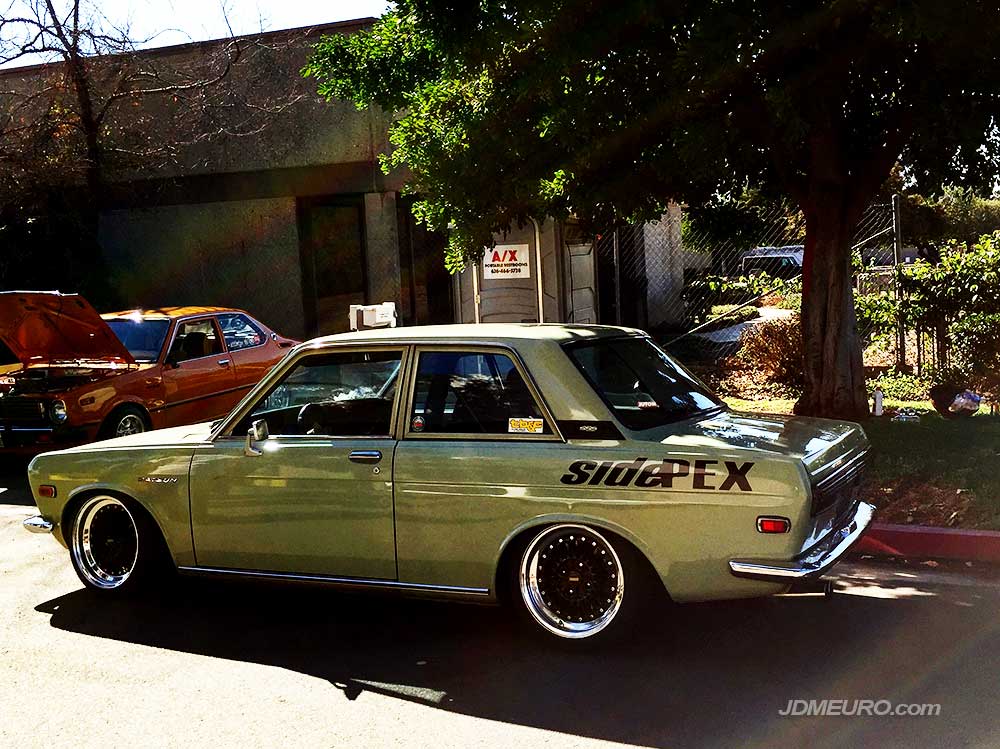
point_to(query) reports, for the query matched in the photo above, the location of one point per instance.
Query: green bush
(876, 313)
(704, 292)
(791, 300)
(965, 282)
(901, 386)
(975, 349)
(774, 348)
(724, 315)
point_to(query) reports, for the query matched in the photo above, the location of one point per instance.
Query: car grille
(840, 483)
(22, 411)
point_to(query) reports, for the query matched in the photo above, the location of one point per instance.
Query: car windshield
(643, 386)
(142, 338)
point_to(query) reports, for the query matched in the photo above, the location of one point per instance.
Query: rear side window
(641, 384)
(473, 393)
(240, 331)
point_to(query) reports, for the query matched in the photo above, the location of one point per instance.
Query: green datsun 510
(575, 470)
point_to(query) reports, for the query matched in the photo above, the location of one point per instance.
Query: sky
(180, 21)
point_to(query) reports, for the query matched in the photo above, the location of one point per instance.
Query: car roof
(480, 332)
(167, 313)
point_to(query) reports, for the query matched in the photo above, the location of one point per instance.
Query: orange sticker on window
(525, 426)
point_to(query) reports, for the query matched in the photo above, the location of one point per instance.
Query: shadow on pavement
(14, 481)
(705, 674)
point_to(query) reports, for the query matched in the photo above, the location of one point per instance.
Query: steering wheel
(306, 421)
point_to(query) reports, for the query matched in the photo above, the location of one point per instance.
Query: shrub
(876, 313)
(723, 315)
(703, 292)
(901, 386)
(774, 347)
(791, 300)
(975, 350)
(965, 282)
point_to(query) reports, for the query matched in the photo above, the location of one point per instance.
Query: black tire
(578, 585)
(115, 546)
(123, 421)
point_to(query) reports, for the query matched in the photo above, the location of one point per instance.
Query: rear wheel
(115, 547)
(575, 583)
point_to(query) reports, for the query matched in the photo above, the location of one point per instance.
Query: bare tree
(103, 70)
(100, 104)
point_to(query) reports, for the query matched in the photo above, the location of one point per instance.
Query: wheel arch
(77, 498)
(121, 405)
(518, 538)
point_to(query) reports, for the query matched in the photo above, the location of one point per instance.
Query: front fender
(157, 482)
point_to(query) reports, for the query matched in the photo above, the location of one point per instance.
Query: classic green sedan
(576, 471)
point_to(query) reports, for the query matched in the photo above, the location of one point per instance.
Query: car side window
(240, 331)
(195, 339)
(347, 394)
(473, 393)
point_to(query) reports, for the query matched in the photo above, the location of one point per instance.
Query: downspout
(475, 291)
(538, 269)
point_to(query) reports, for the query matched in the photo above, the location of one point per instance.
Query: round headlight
(58, 412)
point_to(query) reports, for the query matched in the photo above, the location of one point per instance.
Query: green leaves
(511, 109)
(966, 282)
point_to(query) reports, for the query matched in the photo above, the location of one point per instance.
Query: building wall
(237, 253)
(382, 245)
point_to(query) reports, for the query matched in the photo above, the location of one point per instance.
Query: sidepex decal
(660, 474)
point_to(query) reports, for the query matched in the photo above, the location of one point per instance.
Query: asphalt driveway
(231, 664)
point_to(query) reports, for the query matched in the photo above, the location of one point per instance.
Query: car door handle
(365, 456)
(223, 362)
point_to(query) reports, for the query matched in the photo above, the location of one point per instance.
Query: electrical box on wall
(373, 316)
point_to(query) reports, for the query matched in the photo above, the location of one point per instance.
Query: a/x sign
(506, 261)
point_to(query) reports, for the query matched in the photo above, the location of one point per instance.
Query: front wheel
(124, 421)
(114, 545)
(574, 583)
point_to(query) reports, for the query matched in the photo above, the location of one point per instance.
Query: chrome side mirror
(256, 433)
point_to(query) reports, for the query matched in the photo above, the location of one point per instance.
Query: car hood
(192, 434)
(818, 443)
(40, 327)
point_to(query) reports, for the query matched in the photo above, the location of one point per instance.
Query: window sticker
(525, 426)
(417, 424)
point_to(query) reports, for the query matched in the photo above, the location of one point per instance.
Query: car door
(479, 455)
(198, 375)
(316, 497)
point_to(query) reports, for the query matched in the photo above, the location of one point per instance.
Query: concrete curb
(926, 542)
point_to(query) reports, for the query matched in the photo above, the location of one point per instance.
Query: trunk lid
(818, 443)
(833, 453)
(40, 327)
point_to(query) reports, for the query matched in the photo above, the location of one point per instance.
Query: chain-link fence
(698, 287)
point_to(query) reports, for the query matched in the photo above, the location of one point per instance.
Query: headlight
(58, 412)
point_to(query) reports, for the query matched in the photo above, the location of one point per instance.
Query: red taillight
(773, 525)
(46, 490)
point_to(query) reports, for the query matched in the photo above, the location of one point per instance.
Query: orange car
(69, 375)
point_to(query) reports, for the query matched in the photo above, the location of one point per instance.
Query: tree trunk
(834, 373)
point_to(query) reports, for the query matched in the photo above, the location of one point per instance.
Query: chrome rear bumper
(38, 524)
(814, 561)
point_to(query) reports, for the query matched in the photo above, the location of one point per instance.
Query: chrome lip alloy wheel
(129, 424)
(105, 542)
(572, 581)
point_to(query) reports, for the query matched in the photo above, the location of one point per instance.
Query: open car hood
(40, 327)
